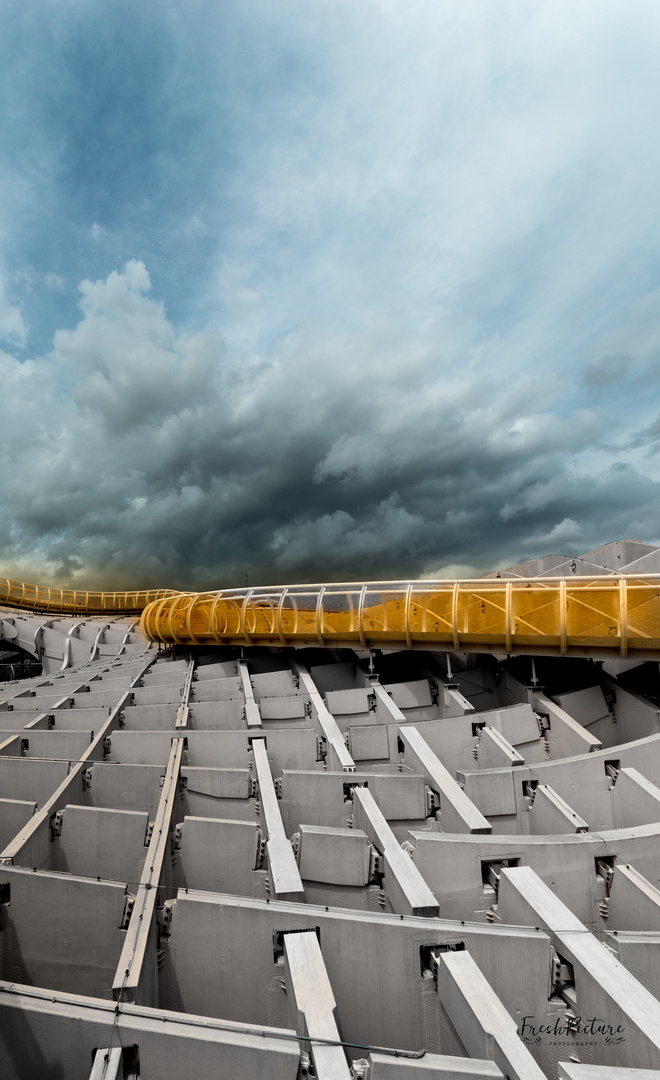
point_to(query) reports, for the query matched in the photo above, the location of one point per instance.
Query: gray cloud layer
(405, 314)
(140, 454)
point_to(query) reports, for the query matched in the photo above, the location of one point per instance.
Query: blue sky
(328, 289)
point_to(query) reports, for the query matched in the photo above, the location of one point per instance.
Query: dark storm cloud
(338, 456)
(327, 291)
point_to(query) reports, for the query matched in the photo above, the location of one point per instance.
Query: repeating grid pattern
(269, 862)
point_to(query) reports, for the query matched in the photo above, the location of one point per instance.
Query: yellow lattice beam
(579, 616)
(76, 601)
(605, 615)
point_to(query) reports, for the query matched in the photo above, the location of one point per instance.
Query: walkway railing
(607, 615)
(76, 601)
(585, 616)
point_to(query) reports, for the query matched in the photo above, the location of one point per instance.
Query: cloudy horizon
(326, 291)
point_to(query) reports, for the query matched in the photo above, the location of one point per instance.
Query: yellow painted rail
(76, 601)
(581, 616)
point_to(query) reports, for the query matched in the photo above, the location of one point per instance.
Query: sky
(325, 289)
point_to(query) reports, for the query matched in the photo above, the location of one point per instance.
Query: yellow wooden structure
(613, 615)
(76, 601)
(610, 615)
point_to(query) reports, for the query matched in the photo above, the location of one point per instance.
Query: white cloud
(450, 571)
(361, 455)
(129, 365)
(536, 496)
(564, 532)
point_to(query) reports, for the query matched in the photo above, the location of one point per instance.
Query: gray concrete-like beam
(338, 755)
(634, 902)
(495, 751)
(107, 1064)
(285, 879)
(29, 846)
(570, 736)
(482, 1023)
(132, 974)
(569, 1070)
(252, 714)
(169, 1041)
(388, 704)
(312, 1004)
(459, 814)
(407, 891)
(135, 978)
(552, 814)
(432, 1067)
(183, 714)
(604, 987)
(636, 799)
